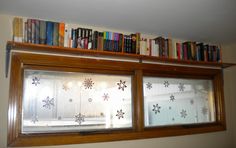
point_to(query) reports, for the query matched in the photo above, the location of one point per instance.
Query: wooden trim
(100, 53)
(21, 61)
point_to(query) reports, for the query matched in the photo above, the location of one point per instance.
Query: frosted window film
(69, 101)
(170, 101)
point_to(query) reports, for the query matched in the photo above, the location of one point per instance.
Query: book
(90, 39)
(100, 41)
(95, 40)
(138, 43)
(55, 34)
(33, 31)
(37, 31)
(61, 34)
(133, 43)
(49, 33)
(29, 31)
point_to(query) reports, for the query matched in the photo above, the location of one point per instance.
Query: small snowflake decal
(90, 99)
(166, 84)
(149, 85)
(181, 87)
(173, 119)
(88, 83)
(121, 85)
(120, 114)
(36, 81)
(183, 113)
(105, 97)
(65, 87)
(204, 110)
(170, 107)
(34, 119)
(172, 98)
(79, 118)
(191, 101)
(48, 103)
(156, 108)
(59, 118)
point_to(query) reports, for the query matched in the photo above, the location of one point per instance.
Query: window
(57, 100)
(64, 101)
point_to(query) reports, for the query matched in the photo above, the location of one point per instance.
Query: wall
(222, 139)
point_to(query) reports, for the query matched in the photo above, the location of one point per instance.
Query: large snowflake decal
(88, 83)
(204, 110)
(166, 84)
(183, 113)
(121, 85)
(181, 87)
(172, 98)
(36, 81)
(120, 114)
(156, 108)
(79, 118)
(48, 102)
(149, 85)
(191, 101)
(105, 97)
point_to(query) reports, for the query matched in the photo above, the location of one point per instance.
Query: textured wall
(222, 139)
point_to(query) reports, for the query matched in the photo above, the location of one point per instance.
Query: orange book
(61, 34)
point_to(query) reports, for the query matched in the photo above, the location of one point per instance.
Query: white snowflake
(120, 114)
(149, 85)
(172, 98)
(48, 103)
(183, 113)
(105, 97)
(65, 87)
(181, 87)
(121, 85)
(88, 83)
(79, 118)
(156, 108)
(36, 81)
(204, 110)
(166, 84)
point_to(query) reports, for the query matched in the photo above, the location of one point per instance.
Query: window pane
(170, 101)
(66, 101)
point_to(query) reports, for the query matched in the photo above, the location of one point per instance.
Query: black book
(120, 42)
(95, 39)
(133, 43)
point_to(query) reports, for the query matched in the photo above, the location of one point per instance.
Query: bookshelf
(98, 53)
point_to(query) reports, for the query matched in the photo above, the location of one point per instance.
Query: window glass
(68, 101)
(173, 101)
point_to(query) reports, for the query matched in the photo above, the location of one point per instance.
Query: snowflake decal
(204, 110)
(88, 83)
(183, 113)
(172, 98)
(65, 87)
(90, 99)
(36, 81)
(166, 84)
(173, 119)
(121, 85)
(149, 85)
(105, 97)
(170, 107)
(191, 101)
(59, 118)
(79, 118)
(48, 103)
(34, 119)
(181, 87)
(156, 108)
(120, 114)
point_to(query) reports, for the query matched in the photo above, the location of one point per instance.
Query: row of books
(59, 34)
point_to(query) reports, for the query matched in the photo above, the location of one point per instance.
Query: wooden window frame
(21, 61)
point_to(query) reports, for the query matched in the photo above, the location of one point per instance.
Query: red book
(178, 46)
(185, 52)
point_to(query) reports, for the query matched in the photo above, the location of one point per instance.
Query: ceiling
(198, 20)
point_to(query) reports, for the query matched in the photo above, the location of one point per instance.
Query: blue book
(49, 33)
(37, 32)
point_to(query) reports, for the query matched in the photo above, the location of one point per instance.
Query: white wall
(222, 139)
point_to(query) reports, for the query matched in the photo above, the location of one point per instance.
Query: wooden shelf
(99, 53)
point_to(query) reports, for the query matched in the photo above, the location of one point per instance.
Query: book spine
(138, 43)
(90, 36)
(95, 40)
(29, 26)
(37, 31)
(185, 51)
(66, 37)
(73, 39)
(121, 43)
(170, 49)
(61, 34)
(133, 43)
(49, 33)
(55, 34)
(25, 32)
(21, 28)
(86, 35)
(42, 32)
(33, 33)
